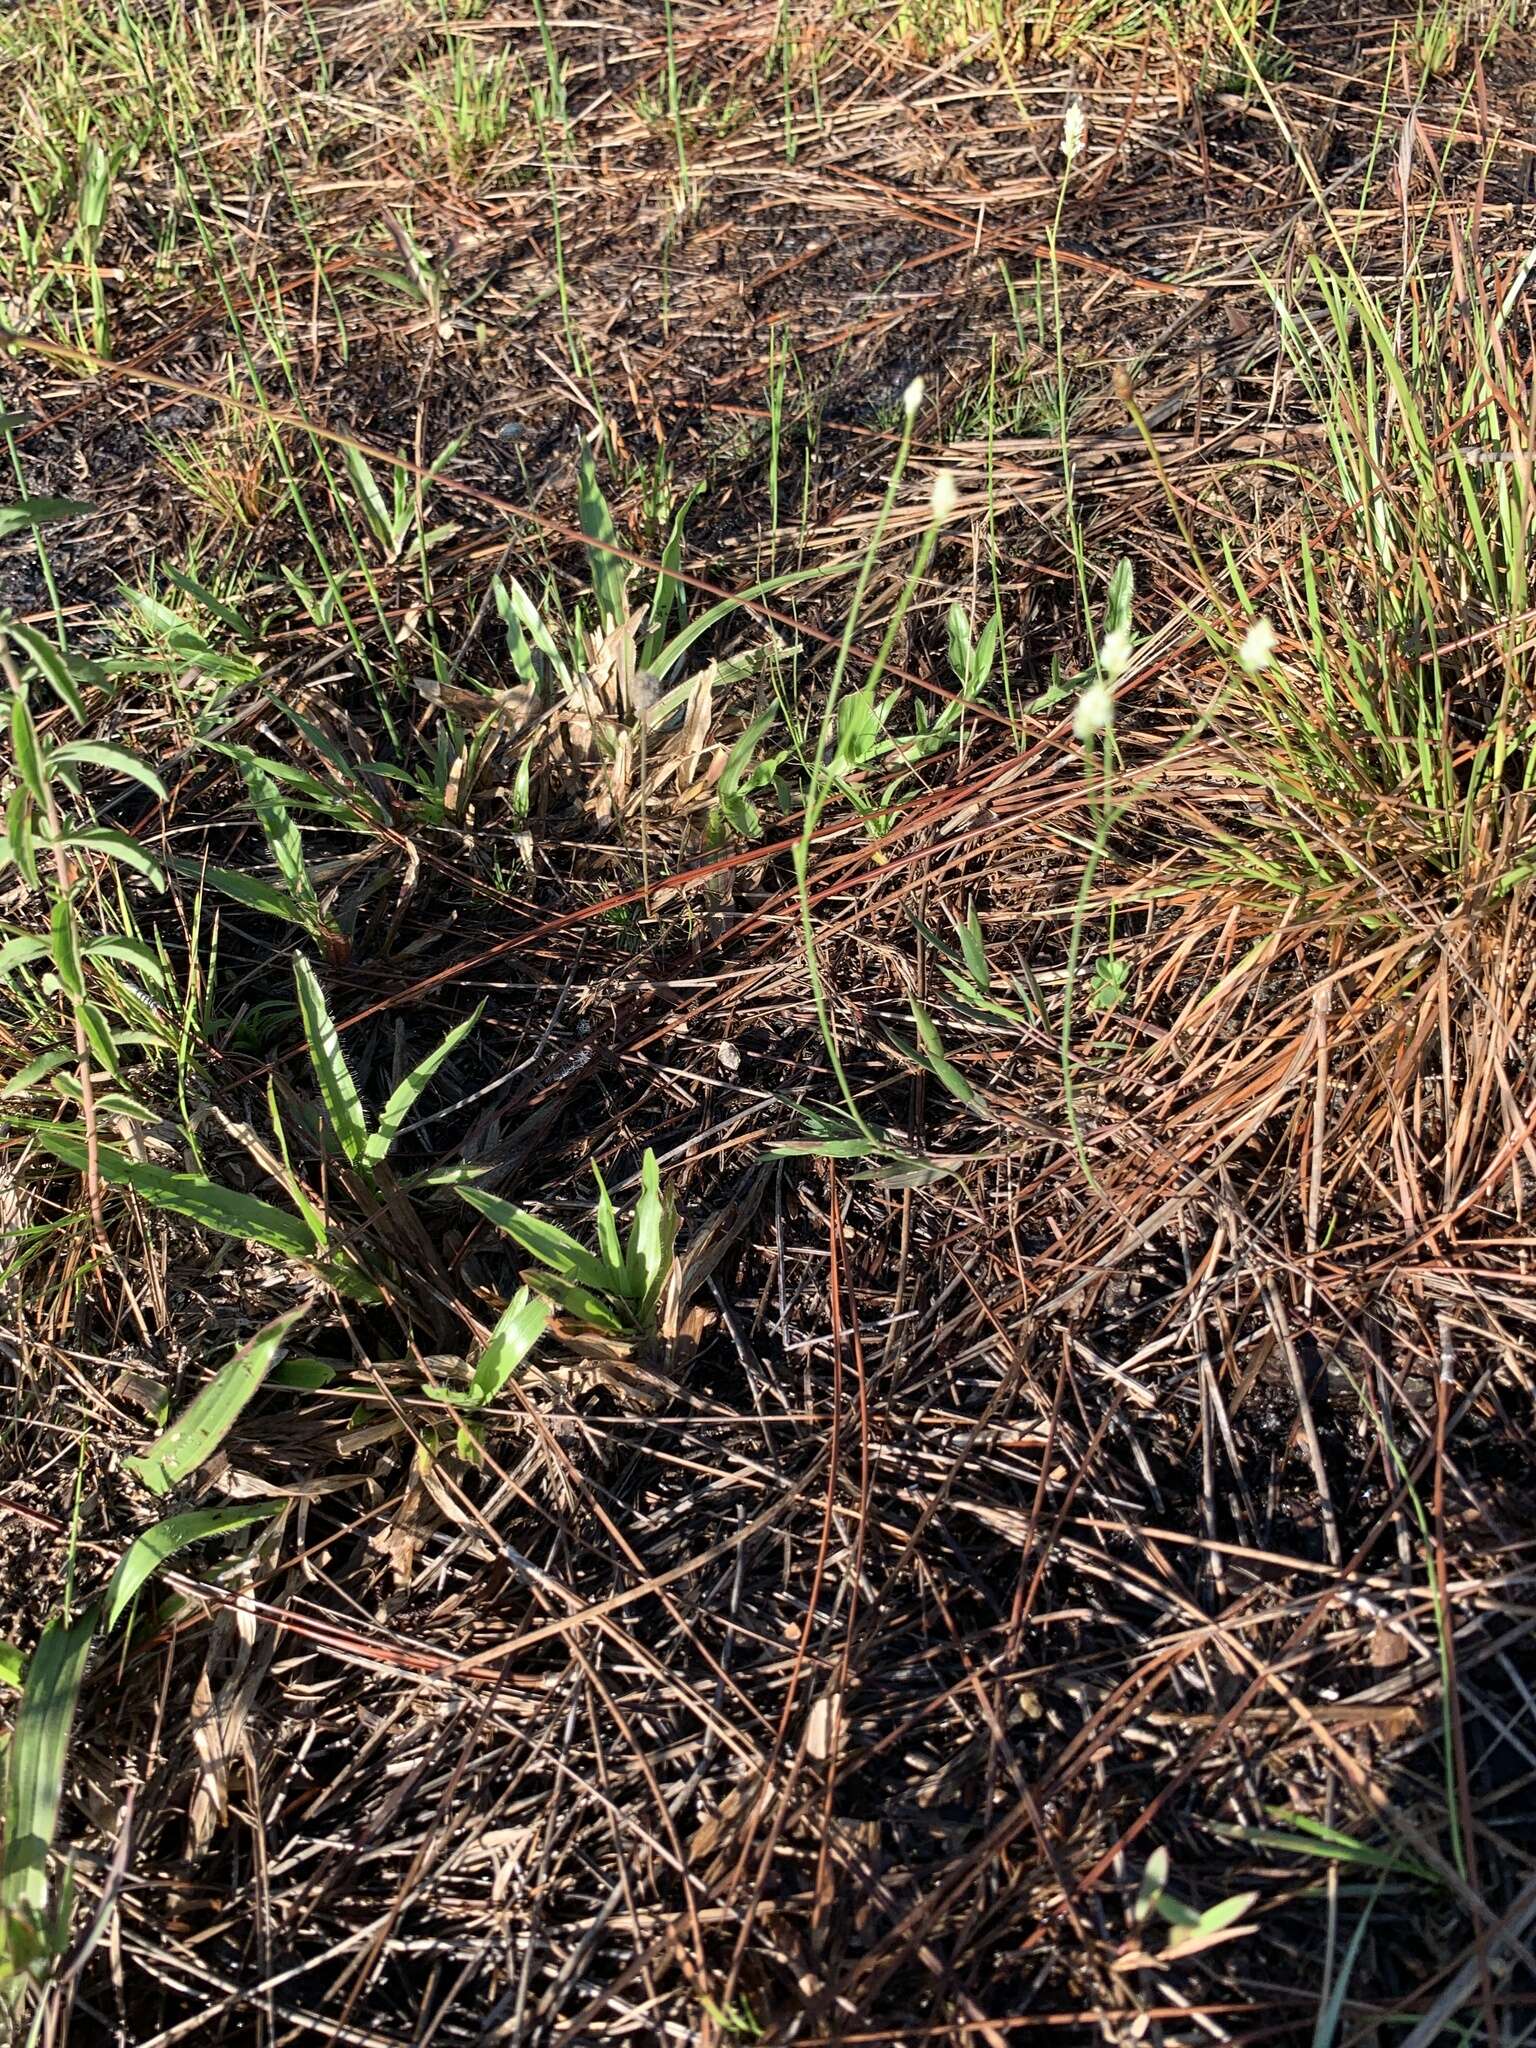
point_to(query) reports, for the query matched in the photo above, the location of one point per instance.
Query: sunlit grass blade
(338, 1090)
(157, 1546)
(404, 1098)
(213, 1412)
(34, 1779)
(546, 1242)
(192, 1195)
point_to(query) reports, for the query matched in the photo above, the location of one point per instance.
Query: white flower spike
(912, 397)
(1074, 131)
(1115, 654)
(945, 497)
(1258, 648)
(1095, 712)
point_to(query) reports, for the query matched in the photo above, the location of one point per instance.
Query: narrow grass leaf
(608, 1245)
(65, 948)
(546, 1242)
(520, 1326)
(118, 846)
(190, 587)
(12, 1665)
(609, 574)
(50, 664)
(338, 1090)
(521, 617)
(38, 1070)
(1212, 1921)
(156, 1546)
(1120, 598)
(28, 752)
(281, 834)
(651, 1236)
(370, 497)
(34, 1781)
(213, 1412)
(118, 759)
(938, 1061)
(191, 1195)
(404, 1098)
(30, 512)
(252, 892)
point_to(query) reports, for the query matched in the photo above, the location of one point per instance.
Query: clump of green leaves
(615, 1289)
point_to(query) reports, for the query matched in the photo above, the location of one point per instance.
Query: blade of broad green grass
(669, 596)
(251, 892)
(610, 575)
(338, 1090)
(12, 1665)
(607, 1225)
(31, 512)
(404, 1098)
(525, 623)
(520, 1326)
(651, 1237)
(118, 846)
(118, 759)
(28, 752)
(282, 836)
(34, 1779)
(51, 665)
(546, 1242)
(584, 1305)
(1305, 1837)
(200, 1200)
(189, 586)
(309, 1375)
(156, 1546)
(371, 498)
(938, 1061)
(213, 1412)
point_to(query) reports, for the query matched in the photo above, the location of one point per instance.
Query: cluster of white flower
(1096, 706)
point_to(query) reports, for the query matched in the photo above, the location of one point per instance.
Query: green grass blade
(370, 497)
(50, 664)
(212, 1412)
(189, 1194)
(521, 1324)
(30, 512)
(651, 1237)
(145, 1555)
(34, 1783)
(404, 1098)
(252, 892)
(27, 751)
(338, 1090)
(118, 846)
(608, 1245)
(610, 575)
(546, 1242)
(118, 759)
(282, 835)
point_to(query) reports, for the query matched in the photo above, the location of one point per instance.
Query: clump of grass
(467, 105)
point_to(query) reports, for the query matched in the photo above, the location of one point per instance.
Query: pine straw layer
(1126, 1487)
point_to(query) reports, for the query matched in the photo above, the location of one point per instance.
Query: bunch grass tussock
(765, 964)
